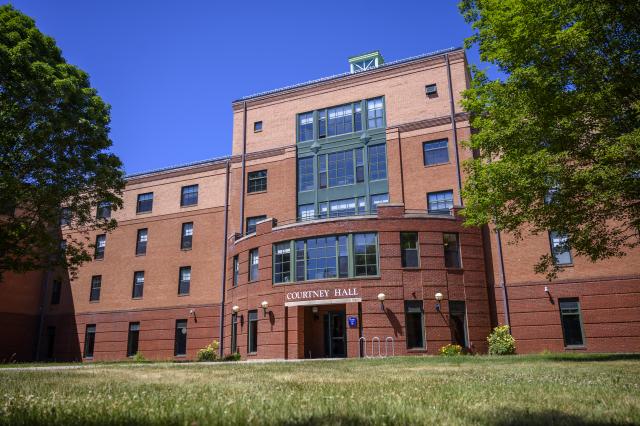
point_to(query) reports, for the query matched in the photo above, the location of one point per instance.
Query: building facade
(332, 230)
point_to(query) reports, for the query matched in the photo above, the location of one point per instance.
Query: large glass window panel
(300, 261)
(375, 113)
(321, 258)
(377, 162)
(357, 116)
(436, 152)
(305, 174)
(189, 195)
(254, 262)
(305, 127)
(339, 208)
(323, 210)
(145, 202)
(282, 262)
(340, 166)
(306, 212)
(340, 120)
(322, 171)
(440, 202)
(365, 254)
(257, 181)
(359, 165)
(322, 124)
(451, 250)
(377, 199)
(343, 256)
(185, 280)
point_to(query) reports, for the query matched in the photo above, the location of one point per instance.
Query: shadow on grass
(593, 357)
(545, 417)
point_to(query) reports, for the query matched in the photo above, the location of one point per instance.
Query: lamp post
(381, 298)
(438, 297)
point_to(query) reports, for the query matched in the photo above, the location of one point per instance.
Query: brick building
(331, 230)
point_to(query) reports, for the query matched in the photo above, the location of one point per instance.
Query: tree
(559, 137)
(54, 137)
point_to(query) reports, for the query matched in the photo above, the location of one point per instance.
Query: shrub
(451, 350)
(138, 357)
(501, 342)
(210, 353)
(232, 357)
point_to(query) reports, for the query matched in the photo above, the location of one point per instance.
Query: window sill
(88, 358)
(98, 258)
(256, 192)
(149, 212)
(180, 356)
(566, 265)
(411, 268)
(188, 205)
(427, 166)
(141, 254)
(183, 294)
(136, 298)
(576, 348)
(186, 249)
(417, 350)
(94, 301)
(257, 131)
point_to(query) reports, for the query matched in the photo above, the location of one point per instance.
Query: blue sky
(170, 70)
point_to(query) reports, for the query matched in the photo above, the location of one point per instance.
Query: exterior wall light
(381, 298)
(235, 309)
(439, 298)
(314, 311)
(264, 305)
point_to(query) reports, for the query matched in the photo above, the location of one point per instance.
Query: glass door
(335, 335)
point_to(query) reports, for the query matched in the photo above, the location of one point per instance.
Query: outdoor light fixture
(192, 312)
(546, 290)
(264, 305)
(235, 309)
(381, 298)
(439, 297)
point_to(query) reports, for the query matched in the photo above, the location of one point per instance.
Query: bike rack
(362, 347)
(373, 352)
(393, 346)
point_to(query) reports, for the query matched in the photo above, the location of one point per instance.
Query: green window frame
(327, 257)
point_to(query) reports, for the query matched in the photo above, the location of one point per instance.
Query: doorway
(335, 339)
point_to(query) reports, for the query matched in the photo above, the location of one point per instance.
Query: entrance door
(335, 342)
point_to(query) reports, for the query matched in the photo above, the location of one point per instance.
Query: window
(440, 202)
(184, 280)
(451, 250)
(234, 333)
(339, 208)
(252, 222)
(189, 196)
(375, 113)
(101, 242)
(409, 249)
(282, 262)
(145, 203)
(254, 263)
(340, 166)
(366, 254)
(138, 285)
(252, 335)
(65, 216)
(186, 240)
(458, 322)
(96, 286)
(414, 320)
(560, 248)
(257, 126)
(571, 322)
(56, 291)
(104, 210)
(359, 165)
(89, 340)
(141, 242)
(51, 341)
(326, 257)
(321, 258)
(377, 199)
(322, 124)
(305, 127)
(236, 270)
(431, 89)
(257, 181)
(180, 341)
(305, 174)
(357, 116)
(340, 120)
(436, 152)
(323, 210)
(306, 212)
(362, 205)
(132, 338)
(322, 171)
(377, 162)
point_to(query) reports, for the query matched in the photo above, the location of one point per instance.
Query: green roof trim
(365, 56)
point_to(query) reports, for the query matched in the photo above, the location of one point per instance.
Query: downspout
(244, 166)
(224, 257)
(503, 281)
(453, 129)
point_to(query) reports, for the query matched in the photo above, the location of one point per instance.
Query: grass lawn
(517, 390)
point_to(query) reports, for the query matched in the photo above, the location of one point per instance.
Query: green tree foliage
(563, 125)
(54, 136)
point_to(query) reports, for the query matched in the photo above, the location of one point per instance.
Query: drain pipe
(244, 166)
(224, 257)
(454, 129)
(503, 281)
